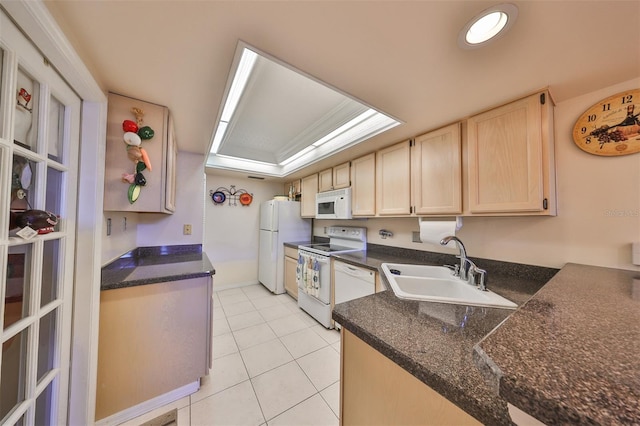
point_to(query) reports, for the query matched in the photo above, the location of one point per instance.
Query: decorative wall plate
(611, 127)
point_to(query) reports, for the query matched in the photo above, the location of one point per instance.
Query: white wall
(231, 236)
(598, 208)
(167, 229)
(121, 240)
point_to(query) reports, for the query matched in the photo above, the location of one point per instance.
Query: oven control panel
(347, 233)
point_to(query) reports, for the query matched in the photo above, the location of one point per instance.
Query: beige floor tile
(235, 406)
(311, 412)
(265, 356)
(303, 342)
(287, 325)
(322, 367)
(224, 345)
(238, 322)
(282, 388)
(265, 302)
(228, 371)
(331, 396)
(256, 291)
(230, 299)
(274, 312)
(221, 326)
(238, 308)
(184, 416)
(254, 335)
(330, 335)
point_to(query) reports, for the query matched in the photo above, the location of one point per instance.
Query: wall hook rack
(231, 195)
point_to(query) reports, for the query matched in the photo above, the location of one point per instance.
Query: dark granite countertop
(435, 341)
(148, 265)
(571, 354)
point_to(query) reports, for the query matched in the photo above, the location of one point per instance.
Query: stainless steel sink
(437, 284)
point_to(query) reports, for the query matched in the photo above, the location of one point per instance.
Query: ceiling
(400, 57)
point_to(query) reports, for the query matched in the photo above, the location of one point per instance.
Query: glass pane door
(39, 132)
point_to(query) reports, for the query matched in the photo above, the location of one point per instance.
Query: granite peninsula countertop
(148, 265)
(571, 354)
(435, 341)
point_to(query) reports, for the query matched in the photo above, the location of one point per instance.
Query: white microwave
(334, 204)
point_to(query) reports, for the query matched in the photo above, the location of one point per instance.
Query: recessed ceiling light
(489, 24)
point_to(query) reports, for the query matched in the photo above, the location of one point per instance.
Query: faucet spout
(464, 263)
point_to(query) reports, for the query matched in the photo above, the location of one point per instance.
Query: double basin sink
(438, 284)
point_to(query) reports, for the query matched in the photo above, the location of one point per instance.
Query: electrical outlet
(186, 230)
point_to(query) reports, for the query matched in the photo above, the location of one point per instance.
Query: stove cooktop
(327, 248)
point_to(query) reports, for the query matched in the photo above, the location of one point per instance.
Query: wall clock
(611, 127)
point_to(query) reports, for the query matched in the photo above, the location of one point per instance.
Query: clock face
(611, 127)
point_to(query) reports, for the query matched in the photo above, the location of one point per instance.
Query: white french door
(39, 143)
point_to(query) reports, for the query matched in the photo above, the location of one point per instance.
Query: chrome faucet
(467, 270)
(464, 262)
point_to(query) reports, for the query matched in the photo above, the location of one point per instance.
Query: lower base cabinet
(153, 339)
(290, 266)
(376, 391)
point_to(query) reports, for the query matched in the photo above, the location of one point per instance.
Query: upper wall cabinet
(510, 158)
(436, 172)
(393, 180)
(363, 185)
(132, 152)
(308, 189)
(334, 178)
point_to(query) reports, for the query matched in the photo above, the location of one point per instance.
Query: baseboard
(150, 405)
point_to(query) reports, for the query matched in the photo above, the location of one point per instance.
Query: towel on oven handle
(315, 278)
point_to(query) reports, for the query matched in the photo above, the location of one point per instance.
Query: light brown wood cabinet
(290, 266)
(363, 185)
(375, 390)
(308, 191)
(153, 339)
(325, 180)
(510, 158)
(334, 178)
(393, 180)
(436, 172)
(294, 187)
(158, 195)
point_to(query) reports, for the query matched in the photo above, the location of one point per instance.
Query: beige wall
(231, 235)
(598, 208)
(167, 229)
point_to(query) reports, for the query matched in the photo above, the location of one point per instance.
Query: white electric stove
(313, 273)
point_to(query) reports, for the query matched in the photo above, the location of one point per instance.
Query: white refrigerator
(280, 222)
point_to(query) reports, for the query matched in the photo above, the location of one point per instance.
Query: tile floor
(272, 365)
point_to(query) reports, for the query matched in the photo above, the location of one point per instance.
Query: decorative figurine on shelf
(133, 137)
(39, 220)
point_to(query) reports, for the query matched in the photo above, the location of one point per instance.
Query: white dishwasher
(352, 282)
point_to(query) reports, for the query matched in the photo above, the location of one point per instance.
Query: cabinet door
(506, 158)
(341, 177)
(309, 189)
(393, 180)
(375, 390)
(436, 172)
(363, 186)
(325, 180)
(171, 319)
(117, 162)
(172, 154)
(290, 284)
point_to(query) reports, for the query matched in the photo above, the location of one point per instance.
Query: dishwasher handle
(353, 270)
